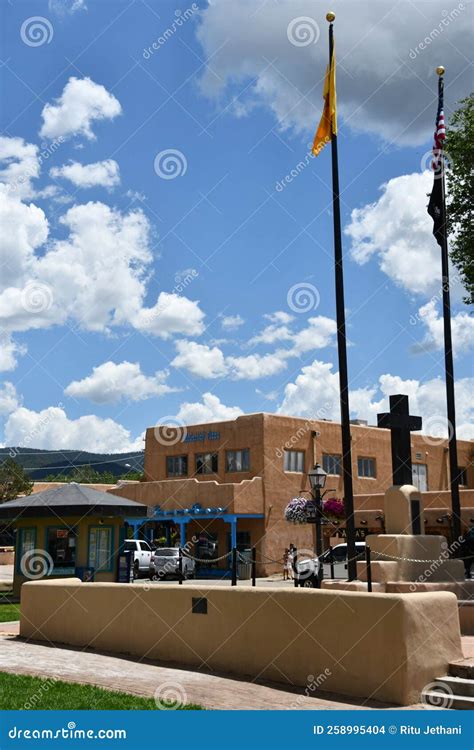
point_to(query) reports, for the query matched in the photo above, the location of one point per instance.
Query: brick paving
(145, 678)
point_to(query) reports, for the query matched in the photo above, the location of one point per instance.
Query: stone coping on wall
(385, 647)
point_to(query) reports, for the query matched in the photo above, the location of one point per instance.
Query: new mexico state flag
(328, 124)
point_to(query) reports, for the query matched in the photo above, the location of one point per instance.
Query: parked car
(165, 562)
(307, 568)
(141, 560)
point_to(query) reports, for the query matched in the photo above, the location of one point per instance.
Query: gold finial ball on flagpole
(330, 16)
(440, 70)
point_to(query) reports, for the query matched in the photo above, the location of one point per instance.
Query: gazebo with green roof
(72, 530)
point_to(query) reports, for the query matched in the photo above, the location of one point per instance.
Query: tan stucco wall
(42, 486)
(382, 646)
(244, 497)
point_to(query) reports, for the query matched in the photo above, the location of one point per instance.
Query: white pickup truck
(141, 560)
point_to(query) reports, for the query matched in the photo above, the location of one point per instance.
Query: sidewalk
(121, 673)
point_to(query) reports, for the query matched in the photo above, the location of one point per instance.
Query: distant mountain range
(40, 463)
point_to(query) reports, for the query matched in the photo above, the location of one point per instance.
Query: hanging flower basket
(295, 511)
(333, 509)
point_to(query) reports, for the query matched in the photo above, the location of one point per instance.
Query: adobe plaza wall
(382, 646)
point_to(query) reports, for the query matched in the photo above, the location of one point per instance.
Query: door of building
(420, 477)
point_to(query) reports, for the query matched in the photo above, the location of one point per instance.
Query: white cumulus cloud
(211, 409)
(110, 382)
(315, 394)
(101, 173)
(171, 314)
(397, 231)
(81, 103)
(9, 399)
(19, 165)
(232, 322)
(200, 359)
(52, 429)
(462, 328)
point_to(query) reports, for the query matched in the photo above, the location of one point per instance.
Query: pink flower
(333, 507)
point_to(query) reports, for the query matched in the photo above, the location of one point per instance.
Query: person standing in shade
(291, 560)
(286, 560)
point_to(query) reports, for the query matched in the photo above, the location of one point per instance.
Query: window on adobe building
(294, 461)
(237, 460)
(462, 476)
(176, 466)
(366, 467)
(419, 474)
(206, 463)
(332, 463)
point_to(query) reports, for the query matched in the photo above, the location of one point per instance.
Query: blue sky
(168, 245)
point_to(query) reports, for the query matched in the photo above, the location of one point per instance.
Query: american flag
(440, 130)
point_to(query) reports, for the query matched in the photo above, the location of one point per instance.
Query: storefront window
(366, 467)
(176, 466)
(100, 548)
(206, 463)
(237, 460)
(61, 547)
(294, 461)
(332, 463)
(26, 544)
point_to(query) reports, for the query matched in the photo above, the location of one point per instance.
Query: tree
(14, 481)
(459, 147)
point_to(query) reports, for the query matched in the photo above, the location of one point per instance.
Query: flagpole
(341, 347)
(448, 347)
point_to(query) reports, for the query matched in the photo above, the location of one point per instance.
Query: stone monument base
(403, 557)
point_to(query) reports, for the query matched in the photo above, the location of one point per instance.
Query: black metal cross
(401, 423)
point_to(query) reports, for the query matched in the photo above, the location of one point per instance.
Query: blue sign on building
(199, 437)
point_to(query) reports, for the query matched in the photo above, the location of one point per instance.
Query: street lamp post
(317, 479)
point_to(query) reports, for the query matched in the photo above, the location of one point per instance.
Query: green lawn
(9, 612)
(19, 692)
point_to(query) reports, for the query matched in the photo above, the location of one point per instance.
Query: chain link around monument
(207, 559)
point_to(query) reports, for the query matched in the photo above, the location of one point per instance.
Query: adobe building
(226, 484)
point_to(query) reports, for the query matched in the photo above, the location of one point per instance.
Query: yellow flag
(328, 124)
